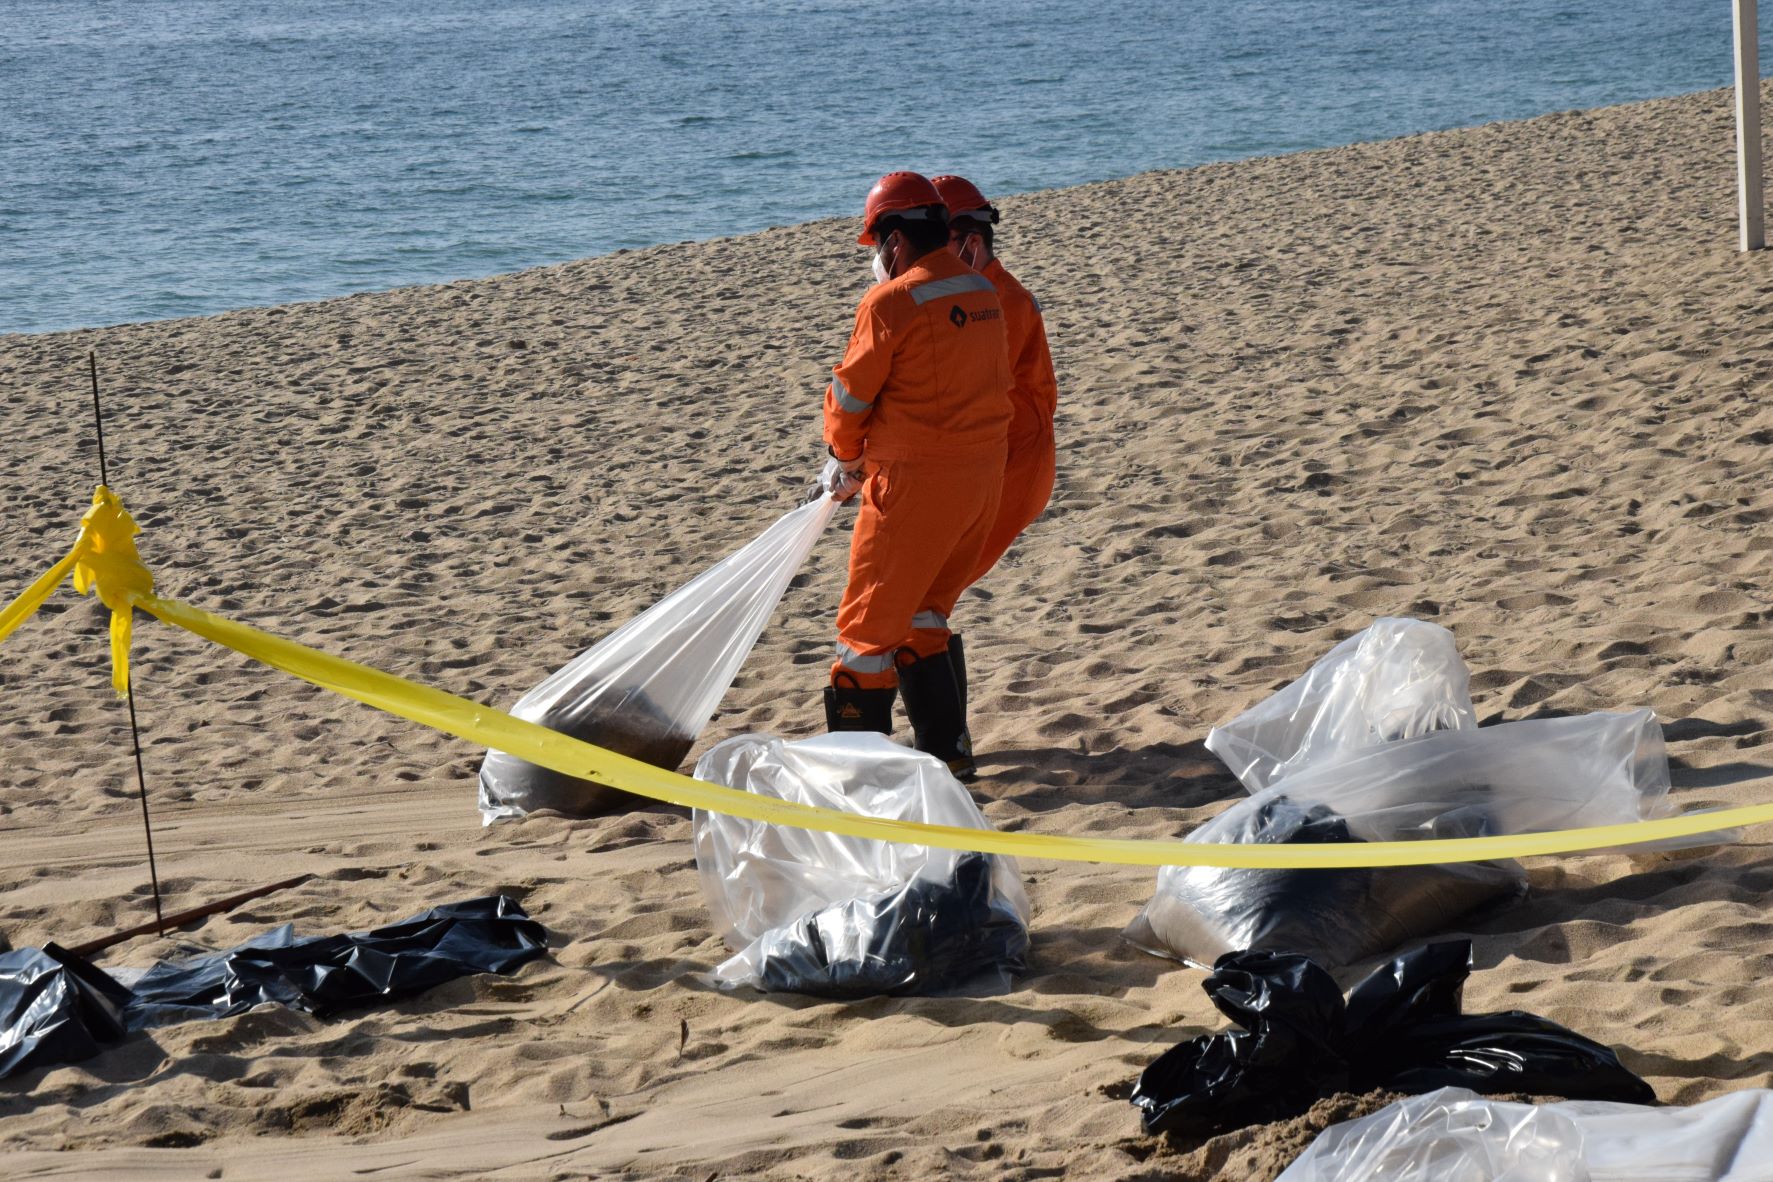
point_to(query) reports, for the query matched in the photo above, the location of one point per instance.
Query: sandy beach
(1511, 379)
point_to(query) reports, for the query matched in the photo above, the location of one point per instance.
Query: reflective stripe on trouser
(917, 538)
(1027, 487)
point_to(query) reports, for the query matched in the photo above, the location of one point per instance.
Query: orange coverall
(923, 395)
(1032, 463)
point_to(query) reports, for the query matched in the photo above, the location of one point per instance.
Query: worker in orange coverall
(916, 421)
(1030, 467)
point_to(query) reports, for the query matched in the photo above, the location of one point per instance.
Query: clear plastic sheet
(1401, 1029)
(1518, 777)
(1397, 679)
(838, 916)
(1453, 1134)
(647, 689)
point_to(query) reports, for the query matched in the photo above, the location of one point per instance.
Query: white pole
(1751, 206)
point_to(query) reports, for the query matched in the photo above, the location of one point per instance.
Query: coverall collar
(938, 264)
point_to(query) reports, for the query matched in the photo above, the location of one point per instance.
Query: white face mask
(969, 250)
(883, 270)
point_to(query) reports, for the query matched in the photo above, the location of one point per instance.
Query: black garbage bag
(58, 1008)
(1399, 1030)
(55, 1008)
(1332, 917)
(326, 974)
(929, 937)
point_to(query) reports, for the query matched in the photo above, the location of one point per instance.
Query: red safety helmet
(896, 192)
(963, 199)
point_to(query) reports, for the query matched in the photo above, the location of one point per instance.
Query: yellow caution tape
(113, 568)
(104, 560)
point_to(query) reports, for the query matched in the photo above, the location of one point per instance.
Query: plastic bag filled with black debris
(647, 689)
(927, 938)
(1399, 1030)
(1335, 917)
(1519, 777)
(836, 916)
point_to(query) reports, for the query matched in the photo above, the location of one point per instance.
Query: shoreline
(1010, 198)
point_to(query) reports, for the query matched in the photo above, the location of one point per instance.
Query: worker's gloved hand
(842, 478)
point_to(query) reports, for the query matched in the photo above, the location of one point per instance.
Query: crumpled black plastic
(928, 937)
(54, 1008)
(58, 1008)
(1399, 1030)
(326, 974)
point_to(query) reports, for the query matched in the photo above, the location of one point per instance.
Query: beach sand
(1511, 379)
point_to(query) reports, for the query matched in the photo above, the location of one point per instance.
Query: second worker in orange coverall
(1031, 464)
(916, 420)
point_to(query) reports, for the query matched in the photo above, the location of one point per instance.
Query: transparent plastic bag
(1448, 1135)
(1397, 679)
(1543, 774)
(1518, 777)
(647, 689)
(1729, 1139)
(1454, 1134)
(838, 916)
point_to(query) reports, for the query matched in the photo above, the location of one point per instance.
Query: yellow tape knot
(106, 562)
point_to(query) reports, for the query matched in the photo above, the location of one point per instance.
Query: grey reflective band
(929, 620)
(1035, 302)
(849, 658)
(849, 402)
(935, 289)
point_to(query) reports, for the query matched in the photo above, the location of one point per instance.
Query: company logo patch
(987, 314)
(957, 315)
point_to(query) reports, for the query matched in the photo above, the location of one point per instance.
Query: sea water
(177, 157)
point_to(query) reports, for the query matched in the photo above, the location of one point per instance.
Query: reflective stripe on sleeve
(847, 401)
(929, 620)
(849, 658)
(935, 289)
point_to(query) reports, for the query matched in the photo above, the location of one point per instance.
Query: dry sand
(1511, 379)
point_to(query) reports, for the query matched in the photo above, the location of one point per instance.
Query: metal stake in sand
(135, 734)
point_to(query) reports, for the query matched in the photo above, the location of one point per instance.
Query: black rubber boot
(852, 708)
(933, 704)
(957, 656)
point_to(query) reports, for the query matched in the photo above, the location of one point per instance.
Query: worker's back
(1034, 393)
(934, 364)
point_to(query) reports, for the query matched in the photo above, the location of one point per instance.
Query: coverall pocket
(877, 491)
